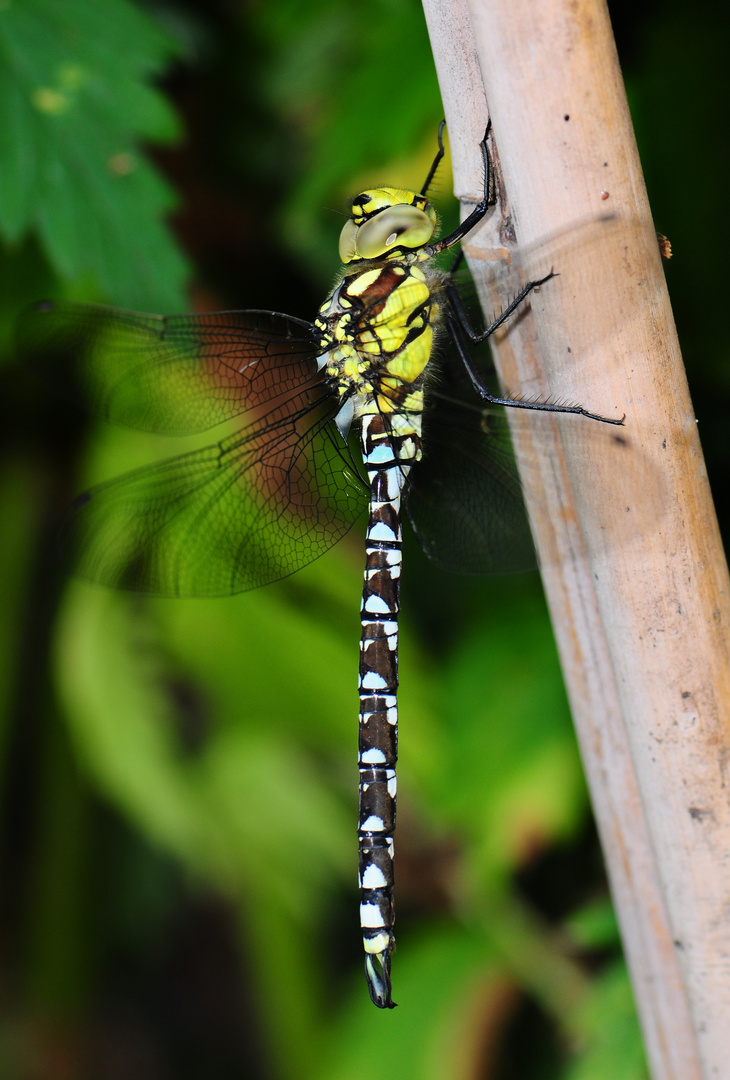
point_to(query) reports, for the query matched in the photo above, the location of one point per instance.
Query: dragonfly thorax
(377, 338)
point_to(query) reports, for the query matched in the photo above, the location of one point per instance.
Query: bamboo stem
(634, 568)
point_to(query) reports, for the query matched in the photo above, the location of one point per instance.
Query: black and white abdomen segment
(378, 686)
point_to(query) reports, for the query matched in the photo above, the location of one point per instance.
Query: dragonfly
(287, 484)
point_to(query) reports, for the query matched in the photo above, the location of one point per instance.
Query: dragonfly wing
(174, 374)
(252, 509)
(464, 500)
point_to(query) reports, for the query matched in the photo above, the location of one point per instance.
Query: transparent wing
(257, 506)
(464, 500)
(174, 374)
(254, 508)
(465, 497)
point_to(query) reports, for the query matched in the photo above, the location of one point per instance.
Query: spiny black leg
(479, 210)
(437, 160)
(535, 406)
(463, 320)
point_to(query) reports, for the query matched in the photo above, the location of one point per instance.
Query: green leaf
(341, 69)
(594, 926)
(513, 780)
(612, 1044)
(204, 757)
(17, 157)
(74, 105)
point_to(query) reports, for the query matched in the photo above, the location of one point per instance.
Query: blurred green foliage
(75, 101)
(177, 870)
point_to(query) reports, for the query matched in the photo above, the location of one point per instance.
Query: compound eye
(348, 242)
(398, 226)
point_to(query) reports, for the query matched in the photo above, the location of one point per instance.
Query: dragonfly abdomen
(378, 687)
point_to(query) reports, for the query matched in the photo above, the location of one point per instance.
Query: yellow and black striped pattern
(381, 318)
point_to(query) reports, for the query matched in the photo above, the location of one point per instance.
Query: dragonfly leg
(479, 210)
(437, 160)
(456, 328)
(459, 314)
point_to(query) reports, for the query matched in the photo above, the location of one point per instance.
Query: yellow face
(385, 221)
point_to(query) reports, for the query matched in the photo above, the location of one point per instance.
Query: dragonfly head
(386, 221)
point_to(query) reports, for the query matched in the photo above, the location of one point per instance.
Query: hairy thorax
(377, 330)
